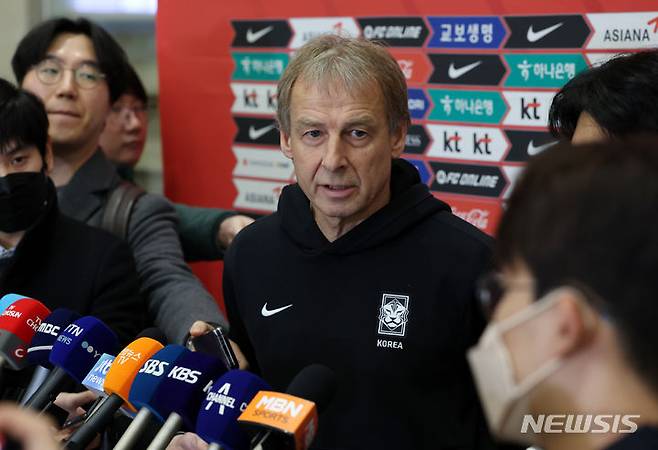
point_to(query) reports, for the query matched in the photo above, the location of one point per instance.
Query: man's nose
(67, 86)
(334, 156)
(133, 121)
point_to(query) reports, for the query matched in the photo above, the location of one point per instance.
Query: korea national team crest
(394, 315)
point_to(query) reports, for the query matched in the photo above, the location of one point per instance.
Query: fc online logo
(393, 315)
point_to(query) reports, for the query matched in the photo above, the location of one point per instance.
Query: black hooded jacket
(66, 264)
(389, 306)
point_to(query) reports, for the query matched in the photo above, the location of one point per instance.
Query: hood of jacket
(411, 202)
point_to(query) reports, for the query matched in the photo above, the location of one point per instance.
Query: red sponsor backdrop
(196, 66)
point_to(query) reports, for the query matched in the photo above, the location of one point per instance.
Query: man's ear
(49, 159)
(398, 141)
(574, 321)
(285, 144)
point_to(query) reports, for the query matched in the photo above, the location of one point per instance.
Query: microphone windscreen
(123, 370)
(23, 317)
(18, 324)
(152, 373)
(316, 383)
(43, 340)
(95, 379)
(228, 397)
(80, 344)
(184, 387)
(8, 299)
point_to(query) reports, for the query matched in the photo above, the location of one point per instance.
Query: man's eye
(88, 76)
(313, 134)
(359, 134)
(51, 71)
(18, 160)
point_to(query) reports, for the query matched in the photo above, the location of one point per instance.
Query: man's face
(23, 159)
(77, 116)
(124, 135)
(588, 131)
(342, 148)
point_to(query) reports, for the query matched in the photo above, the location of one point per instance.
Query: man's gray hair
(355, 65)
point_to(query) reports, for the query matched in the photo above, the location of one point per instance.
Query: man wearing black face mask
(44, 255)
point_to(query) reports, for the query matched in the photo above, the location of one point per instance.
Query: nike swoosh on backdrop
(534, 36)
(270, 312)
(254, 36)
(255, 133)
(455, 73)
(535, 150)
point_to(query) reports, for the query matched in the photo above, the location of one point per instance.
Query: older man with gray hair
(361, 268)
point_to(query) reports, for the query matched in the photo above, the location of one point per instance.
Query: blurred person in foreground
(205, 233)
(569, 358)
(26, 429)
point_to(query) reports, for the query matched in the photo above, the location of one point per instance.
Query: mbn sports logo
(579, 423)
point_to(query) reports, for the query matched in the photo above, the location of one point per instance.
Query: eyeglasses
(491, 288)
(122, 112)
(86, 76)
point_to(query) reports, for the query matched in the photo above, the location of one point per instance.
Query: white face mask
(505, 401)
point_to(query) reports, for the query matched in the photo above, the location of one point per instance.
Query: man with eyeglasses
(77, 69)
(205, 233)
(569, 358)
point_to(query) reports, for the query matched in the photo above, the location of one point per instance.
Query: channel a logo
(393, 315)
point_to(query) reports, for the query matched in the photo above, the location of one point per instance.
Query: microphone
(8, 299)
(180, 394)
(18, 324)
(229, 396)
(290, 417)
(42, 343)
(117, 383)
(142, 391)
(74, 353)
(38, 353)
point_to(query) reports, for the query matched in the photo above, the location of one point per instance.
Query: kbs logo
(184, 374)
(393, 315)
(580, 423)
(154, 367)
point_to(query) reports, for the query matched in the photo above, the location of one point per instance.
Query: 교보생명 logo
(393, 315)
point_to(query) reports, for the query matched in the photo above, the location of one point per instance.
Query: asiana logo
(393, 315)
